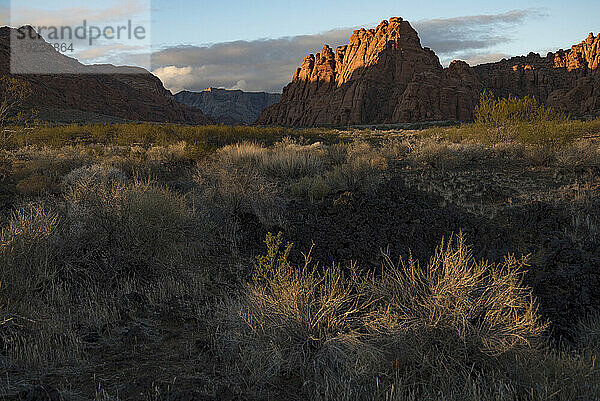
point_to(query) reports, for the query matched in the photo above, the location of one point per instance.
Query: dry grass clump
(231, 191)
(286, 160)
(433, 153)
(357, 167)
(26, 256)
(247, 172)
(140, 222)
(454, 329)
(584, 154)
(312, 188)
(481, 302)
(104, 231)
(300, 326)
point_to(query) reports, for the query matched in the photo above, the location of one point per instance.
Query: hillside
(99, 92)
(229, 106)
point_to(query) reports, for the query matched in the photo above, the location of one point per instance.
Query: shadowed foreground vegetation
(128, 264)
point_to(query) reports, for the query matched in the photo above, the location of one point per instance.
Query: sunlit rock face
(384, 75)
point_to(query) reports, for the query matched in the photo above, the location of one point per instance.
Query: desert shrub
(396, 148)
(88, 176)
(247, 154)
(510, 151)
(580, 155)
(517, 120)
(300, 324)
(140, 224)
(498, 113)
(313, 188)
(587, 333)
(540, 155)
(232, 190)
(524, 119)
(286, 160)
(433, 153)
(14, 92)
(199, 150)
(481, 302)
(36, 184)
(337, 153)
(291, 160)
(27, 254)
(455, 328)
(104, 232)
(169, 154)
(361, 170)
(151, 134)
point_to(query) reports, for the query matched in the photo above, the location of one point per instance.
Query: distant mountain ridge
(229, 106)
(94, 93)
(385, 75)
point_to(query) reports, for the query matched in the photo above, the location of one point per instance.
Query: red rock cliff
(568, 80)
(383, 75)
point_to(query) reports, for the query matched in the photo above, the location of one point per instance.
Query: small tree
(13, 93)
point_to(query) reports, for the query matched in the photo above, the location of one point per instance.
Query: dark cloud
(269, 64)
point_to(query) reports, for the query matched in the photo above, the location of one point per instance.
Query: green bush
(206, 137)
(518, 120)
(497, 113)
(521, 119)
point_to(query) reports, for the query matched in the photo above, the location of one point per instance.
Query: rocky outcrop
(229, 106)
(568, 80)
(97, 92)
(384, 75)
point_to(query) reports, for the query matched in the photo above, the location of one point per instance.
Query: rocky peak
(228, 106)
(585, 55)
(384, 75)
(365, 79)
(391, 51)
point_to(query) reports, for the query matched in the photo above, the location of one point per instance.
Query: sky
(257, 45)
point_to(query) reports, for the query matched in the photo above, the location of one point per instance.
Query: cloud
(110, 53)
(269, 64)
(266, 64)
(483, 58)
(118, 11)
(177, 78)
(460, 37)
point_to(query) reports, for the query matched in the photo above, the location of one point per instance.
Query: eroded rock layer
(384, 75)
(569, 80)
